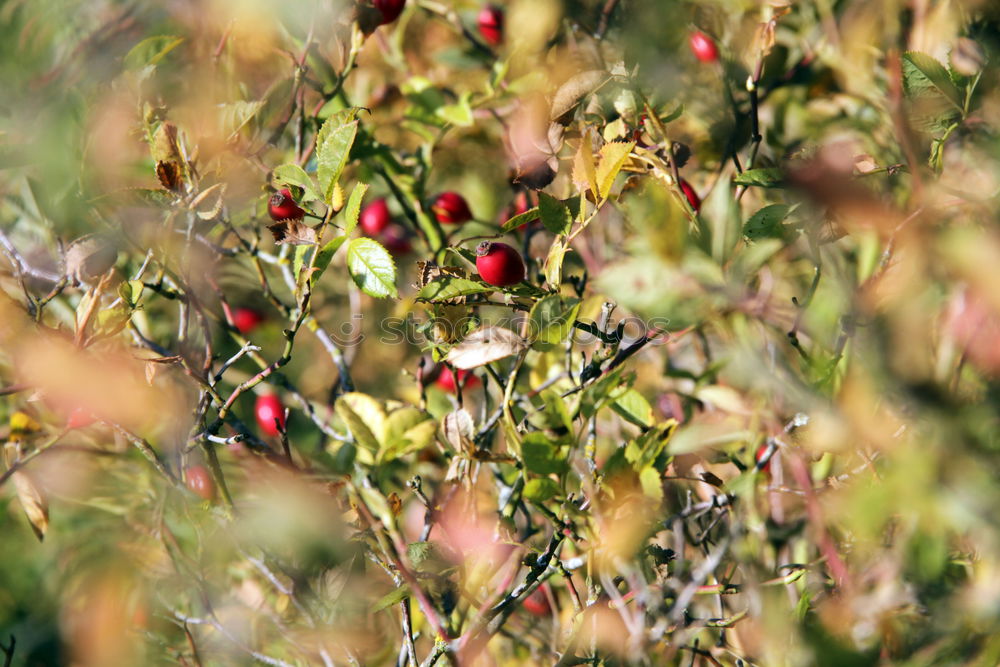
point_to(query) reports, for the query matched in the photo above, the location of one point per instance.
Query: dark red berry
(450, 208)
(691, 195)
(79, 418)
(396, 240)
(537, 603)
(268, 409)
(246, 319)
(703, 47)
(391, 9)
(375, 217)
(499, 264)
(282, 206)
(491, 25)
(199, 481)
(447, 380)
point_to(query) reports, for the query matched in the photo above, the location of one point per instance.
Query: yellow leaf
(36, 508)
(613, 157)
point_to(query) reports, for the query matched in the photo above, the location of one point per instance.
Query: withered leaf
(485, 345)
(169, 174)
(458, 430)
(90, 256)
(429, 271)
(573, 90)
(293, 232)
(36, 508)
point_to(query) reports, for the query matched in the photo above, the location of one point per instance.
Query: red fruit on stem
(396, 240)
(246, 319)
(450, 208)
(691, 195)
(703, 47)
(499, 264)
(390, 9)
(448, 382)
(375, 217)
(282, 206)
(268, 409)
(79, 418)
(521, 203)
(759, 456)
(537, 603)
(199, 481)
(491, 25)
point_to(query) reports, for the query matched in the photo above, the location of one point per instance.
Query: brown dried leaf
(89, 257)
(294, 232)
(169, 174)
(573, 90)
(428, 272)
(485, 345)
(36, 508)
(458, 430)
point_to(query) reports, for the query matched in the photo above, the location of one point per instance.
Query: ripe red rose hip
(268, 409)
(759, 456)
(375, 217)
(246, 319)
(537, 603)
(499, 264)
(282, 206)
(396, 240)
(491, 25)
(79, 418)
(450, 208)
(390, 9)
(448, 381)
(703, 47)
(199, 481)
(691, 195)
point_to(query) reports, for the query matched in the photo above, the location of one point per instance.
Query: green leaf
(540, 489)
(652, 483)
(520, 219)
(923, 75)
(332, 154)
(459, 114)
(391, 598)
(555, 215)
(130, 291)
(364, 417)
(150, 51)
(326, 254)
(764, 178)
(371, 267)
(541, 456)
(418, 552)
(719, 222)
(451, 287)
(300, 258)
(293, 174)
(551, 320)
(634, 407)
(613, 157)
(236, 115)
(407, 430)
(353, 210)
(766, 223)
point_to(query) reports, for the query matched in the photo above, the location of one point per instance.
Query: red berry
(79, 418)
(491, 25)
(199, 481)
(268, 409)
(538, 602)
(282, 206)
(521, 203)
(759, 456)
(375, 217)
(691, 195)
(703, 47)
(246, 319)
(499, 264)
(447, 381)
(391, 9)
(396, 240)
(450, 208)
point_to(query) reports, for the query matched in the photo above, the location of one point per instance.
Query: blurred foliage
(755, 427)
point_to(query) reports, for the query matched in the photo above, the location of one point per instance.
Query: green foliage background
(762, 432)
